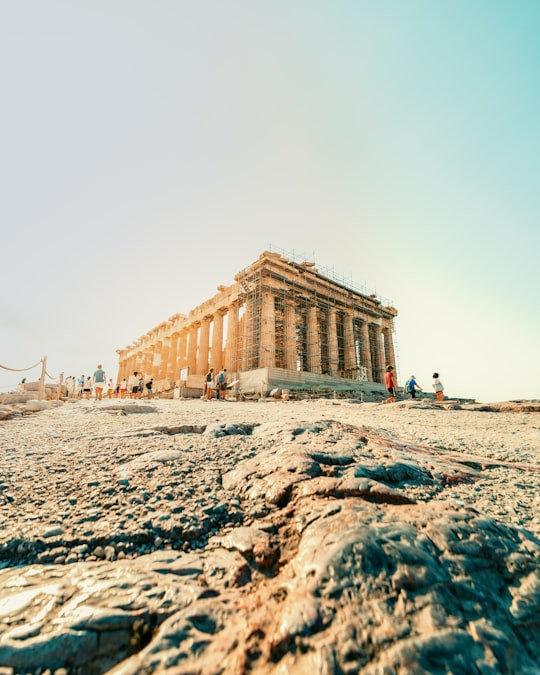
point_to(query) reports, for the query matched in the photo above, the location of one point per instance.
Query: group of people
(217, 383)
(411, 386)
(83, 386)
(136, 385)
(98, 385)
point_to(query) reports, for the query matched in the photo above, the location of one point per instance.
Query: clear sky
(149, 150)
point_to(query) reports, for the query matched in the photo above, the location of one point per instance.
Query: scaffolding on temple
(272, 299)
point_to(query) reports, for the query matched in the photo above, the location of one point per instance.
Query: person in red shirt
(390, 383)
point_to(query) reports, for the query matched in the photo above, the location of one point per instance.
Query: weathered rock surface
(200, 543)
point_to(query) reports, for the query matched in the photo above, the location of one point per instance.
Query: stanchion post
(41, 391)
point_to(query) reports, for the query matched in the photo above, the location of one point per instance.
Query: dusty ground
(91, 488)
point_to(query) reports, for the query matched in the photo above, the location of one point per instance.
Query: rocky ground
(323, 536)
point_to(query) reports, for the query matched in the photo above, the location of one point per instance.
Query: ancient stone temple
(282, 323)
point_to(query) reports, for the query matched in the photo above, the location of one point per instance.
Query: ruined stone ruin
(281, 324)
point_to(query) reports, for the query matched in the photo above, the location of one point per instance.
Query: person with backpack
(209, 382)
(411, 387)
(221, 387)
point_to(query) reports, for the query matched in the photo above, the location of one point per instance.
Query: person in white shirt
(438, 387)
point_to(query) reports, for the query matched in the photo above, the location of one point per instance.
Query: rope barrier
(44, 374)
(20, 370)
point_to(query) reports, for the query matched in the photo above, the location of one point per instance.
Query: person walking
(209, 383)
(133, 385)
(87, 387)
(390, 383)
(70, 383)
(438, 387)
(99, 379)
(221, 384)
(411, 387)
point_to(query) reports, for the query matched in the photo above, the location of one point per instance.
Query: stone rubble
(273, 537)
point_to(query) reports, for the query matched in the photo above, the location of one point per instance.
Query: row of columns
(191, 346)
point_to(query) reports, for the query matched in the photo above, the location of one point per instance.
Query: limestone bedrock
(269, 538)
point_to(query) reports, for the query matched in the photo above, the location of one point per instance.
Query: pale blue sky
(150, 150)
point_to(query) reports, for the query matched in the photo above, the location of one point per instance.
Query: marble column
(333, 349)
(156, 363)
(181, 360)
(313, 341)
(267, 353)
(217, 342)
(130, 368)
(204, 347)
(389, 353)
(349, 356)
(192, 348)
(290, 335)
(135, 362)
(365, 351)
(248, 358)
(146, 364)
(172, 369)
(165, 352)
(231, 348)
(122, 366)
(379, 353)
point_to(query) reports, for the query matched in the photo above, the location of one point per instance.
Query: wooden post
(41, 391)
(60, 386)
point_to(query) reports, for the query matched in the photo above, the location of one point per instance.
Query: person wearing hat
(411, 387)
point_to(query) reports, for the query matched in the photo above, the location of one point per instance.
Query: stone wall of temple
(277, 314)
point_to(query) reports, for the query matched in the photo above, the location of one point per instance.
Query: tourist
(110, 388)
(99, 381)
(390, 383)
(411, 387)
(22, 386)
(438, 387)
(141, 385)
(87, 387)
(221, 387)
(149, 387)
(133, 385)
(69, 383)
(122, 387)
(80, 386)
(209, 382)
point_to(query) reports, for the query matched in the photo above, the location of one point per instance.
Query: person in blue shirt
(411, 387)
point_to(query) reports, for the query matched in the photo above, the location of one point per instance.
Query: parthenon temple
(282, 323)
